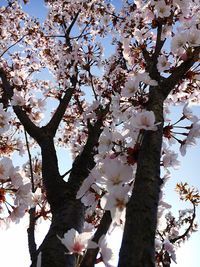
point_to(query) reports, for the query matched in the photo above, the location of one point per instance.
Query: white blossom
(4, 120)
(162, 10)
(144, 120)
(75, 242)
(130, 88)
(163, 63)
(177, 44)
(193, 37)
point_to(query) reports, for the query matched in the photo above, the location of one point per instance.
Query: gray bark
(137, 248)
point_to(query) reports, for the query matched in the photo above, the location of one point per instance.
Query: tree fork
(67, 211)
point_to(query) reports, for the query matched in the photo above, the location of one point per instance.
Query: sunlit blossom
(75, 242)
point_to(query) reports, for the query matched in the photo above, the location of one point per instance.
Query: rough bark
(137, 248)
(31, 234)
(70, 215)
(67, 211)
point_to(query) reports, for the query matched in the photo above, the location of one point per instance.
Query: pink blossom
(130, 88)
(105, 141)
(187, 112)
(163, 63)
(177, 44)
(162, 10)
(144, 120)
(114, 172)
(6, 167)
(193, 37)
(17, 99)
(116, 201)
(4, 120)
(168, 246)
(170, 159)
(75, 242)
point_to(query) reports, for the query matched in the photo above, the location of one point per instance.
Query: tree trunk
(137, 248)
(67, 211)
(70, 215)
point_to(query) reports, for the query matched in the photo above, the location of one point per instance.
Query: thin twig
(173, 240)
(66, 173)
(19, 40)
(92, 84)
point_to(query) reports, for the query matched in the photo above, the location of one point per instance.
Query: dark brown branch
(112, 14)
(178, 73)
(91, 254)
(31, 234)
(166, 261)
(141, 212)
(7, 89)
(53, 182)
(159, 43)
(82, 34)
(67, 172)
(31, 229)
(53, 124)
(151, 65)
(173, 240)
(72, 23)
(151, 61)
(79, 105)
(29, 126)
(67, 211)
(54, 36)
(92, 84)
(19, 40)
(146, 57)
(85, 161)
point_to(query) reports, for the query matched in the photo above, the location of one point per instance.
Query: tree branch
(84, 162)
(151, 61)
(91, 254)
(173, 240)
(159, 43)
(32, 219)
(53, 124)
(178, 73)
(29, 126)
(31, 234)
(72, 23)
(19, 40)
(141, 211)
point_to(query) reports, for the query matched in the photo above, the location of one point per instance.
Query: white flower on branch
(144, 120)
(163, 63)
(162, 10)
(17, 99)
(77, 243)
(4, 120)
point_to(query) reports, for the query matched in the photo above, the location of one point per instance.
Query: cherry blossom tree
(60, 88)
